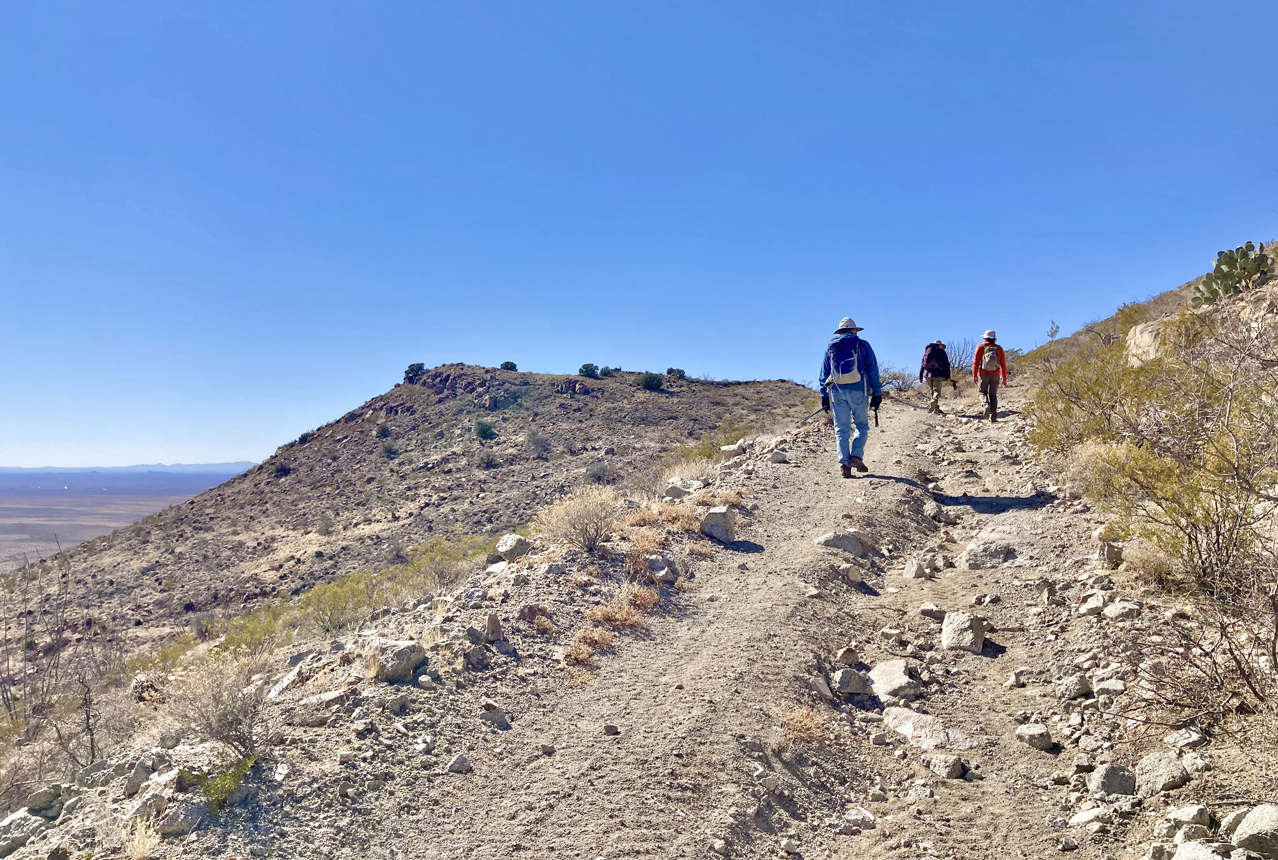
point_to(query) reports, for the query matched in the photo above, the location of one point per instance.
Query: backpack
(989, 360)
(932, 359)
(843, 365)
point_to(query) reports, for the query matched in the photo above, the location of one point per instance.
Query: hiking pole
(810, 417)
(876, 418)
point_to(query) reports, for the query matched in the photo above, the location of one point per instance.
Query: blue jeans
(851, 406)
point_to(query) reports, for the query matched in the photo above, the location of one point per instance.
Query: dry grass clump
(643, 598)
(683, 585)
(140, 840)
(618, 614)
(640, 518)
(647, 541)
(701, 550)
(224, 699)
(705, 498)
(584, 519)
(593, 571)
(731, 497)
(1151, 565)
(803, 723)
(595, 638)
(679, 517)
(543, 625)
(577, 654)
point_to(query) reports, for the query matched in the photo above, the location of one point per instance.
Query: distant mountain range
(175, 468)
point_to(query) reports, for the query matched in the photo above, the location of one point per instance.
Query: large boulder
(844, 541)
(1143, 341)
(1258, 832)
(848, 682)
(17, 830)
(1034, 735)
(720, 523)
(184, 815)
(924, 730)
(1159, 771)
(962, 631)
(397, 660)
(512, 546)
(1073, 687)
(988, 550)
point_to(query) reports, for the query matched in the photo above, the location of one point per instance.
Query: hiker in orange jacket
(989, 365)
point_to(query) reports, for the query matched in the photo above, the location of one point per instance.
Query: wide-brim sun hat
(990, 335)
(940, 343)
(848, 324)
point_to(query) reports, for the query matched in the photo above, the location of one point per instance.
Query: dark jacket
(939, 358)
(843, 344)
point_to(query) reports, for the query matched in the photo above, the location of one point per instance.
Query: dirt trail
(698, 699)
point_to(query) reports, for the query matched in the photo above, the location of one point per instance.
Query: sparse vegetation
(619, 614)
(608, 371)
(509, 365)
(415, 372)
(602, 472)
(1244, 268)
(487, 459)
(390, 450)
(650, 381)
(383, 431)
(140, 838)
(644, 599)
(224, 700)
(281, 470)
(485, 429)
(217, 786)
(590, 371)
(675, 373)
(803, 724)
(539, 444)
(584, 519)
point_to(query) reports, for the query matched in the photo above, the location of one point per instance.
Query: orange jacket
(977, 373)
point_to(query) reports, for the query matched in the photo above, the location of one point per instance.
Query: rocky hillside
(403, 467)
(936, 659)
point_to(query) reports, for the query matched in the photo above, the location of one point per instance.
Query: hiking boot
(994, 418)
(847, 471)
(860, 464)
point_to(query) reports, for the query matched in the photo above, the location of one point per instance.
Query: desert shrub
(675, 372)
(390, 450)
(802, 724)
(383, 431)
(509, 365)
(282, 470)
(608, 371)
(263, 626)
(487, 459)
(896, 380)
(640, 517)
(539, 444)
(578, 654)
(590, 371)
(415, 372)
(650, 381)
(140, 837)
(485, 429)
(595, 638)
(680, 517)
(644, 599)
(584, 519)
(602, 472)
(618, 614)
(305, 437)
(217, 786)
(224, 700)
(701, 550)
(546, 627)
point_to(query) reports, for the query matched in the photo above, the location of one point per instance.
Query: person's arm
(825, 372)
(1002, 363)
(976, 362)
(922, 365)
(945, 363)
(872, 368)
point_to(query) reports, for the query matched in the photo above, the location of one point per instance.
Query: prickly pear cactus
(1244, 268)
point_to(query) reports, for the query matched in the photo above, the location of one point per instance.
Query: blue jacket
(866, 363)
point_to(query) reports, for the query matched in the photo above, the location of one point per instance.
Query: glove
(875, 400)
(825, 402)
(954, 382)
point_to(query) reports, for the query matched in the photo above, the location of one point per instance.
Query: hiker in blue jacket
(850, 382)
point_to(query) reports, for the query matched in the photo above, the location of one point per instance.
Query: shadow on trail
(995, 504)
(743, 546)
(993, 650)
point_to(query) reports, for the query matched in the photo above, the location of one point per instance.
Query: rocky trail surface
(923, 661)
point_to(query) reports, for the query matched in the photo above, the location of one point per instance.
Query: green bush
(607, 371)
(650, 381)
(305, 437)
(282, 470)
(383, 431)
(675, 372)
(217, 786)
(488, 459)
(509, 365)
(590, 371)
(485, 429)
(1244, 268)
(390, 451)
(414, 372)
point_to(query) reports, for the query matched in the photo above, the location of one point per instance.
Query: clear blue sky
(224, 223)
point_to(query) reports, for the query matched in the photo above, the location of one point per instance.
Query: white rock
(1258, 831)
(988, 550)
(512, 546)
(459, 764)
(892, 678)
(916, 569)
(720, 523)
(962, 631)
(1035, 735)
(778, 457)
(924, 730)
(845, 541)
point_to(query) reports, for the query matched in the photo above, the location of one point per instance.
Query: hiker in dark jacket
(935, 371)
(850, 382)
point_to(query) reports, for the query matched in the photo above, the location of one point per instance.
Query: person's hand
(875, 400)
(825, 402)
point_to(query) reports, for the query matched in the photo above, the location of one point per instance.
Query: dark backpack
(933, 359)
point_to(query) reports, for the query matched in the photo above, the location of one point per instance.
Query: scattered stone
(1055, 822)
(1258, 831)
(790, 845)
(850, 573)
(1034, 735)
(931, 610)
(844, 541)
(1109, 554)
(1099, 814)
(459, 764)
(892, 678)
(916, 569)
(1198, 851)
(1230, 822)
(17, 830)
(848, 682)
(1122, 610)
(1185, 739)
(397, 660)
(1073, 687)
(1197, 814)
(140, 774)
(1111, 778)
(944, 765)
(1158, 772)
(1093, 603)
(1067, 843)
(963, 632)
(847, 656)
(610, 729)
(1016, 680)
(918, 794)
(512, 546)
(184, 815)
(492, 629)
(988, 550)
(924, 730)
(859, 817)
(546, 749)
(934, 511)
(778, 457)
(720, 523)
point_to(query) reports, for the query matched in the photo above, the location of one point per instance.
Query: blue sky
(224, 223)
